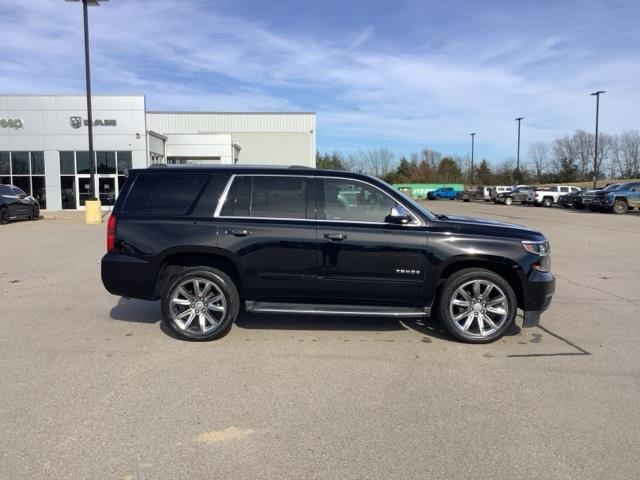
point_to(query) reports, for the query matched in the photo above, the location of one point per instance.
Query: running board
(350, 310)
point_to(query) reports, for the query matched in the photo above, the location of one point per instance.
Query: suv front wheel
(200, 303)
(477, 305)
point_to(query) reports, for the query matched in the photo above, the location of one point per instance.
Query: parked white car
(547, 196)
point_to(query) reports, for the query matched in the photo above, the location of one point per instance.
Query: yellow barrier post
(93, 212)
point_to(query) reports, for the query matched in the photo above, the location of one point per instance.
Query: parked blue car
(442, 192)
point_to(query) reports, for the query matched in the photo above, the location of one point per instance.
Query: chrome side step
(345, 310)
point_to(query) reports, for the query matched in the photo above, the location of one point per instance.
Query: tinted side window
(267, 197)
(162, 194)
(279, 197)
(564, 189)
(351, 200)
(238, 198)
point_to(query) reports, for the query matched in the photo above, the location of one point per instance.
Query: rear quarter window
(163, 194)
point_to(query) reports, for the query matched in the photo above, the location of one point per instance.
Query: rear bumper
(128, 276)
(539, 289)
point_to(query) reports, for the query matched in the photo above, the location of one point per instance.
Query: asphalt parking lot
(93, 387)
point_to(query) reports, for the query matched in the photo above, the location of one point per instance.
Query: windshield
(612, 187)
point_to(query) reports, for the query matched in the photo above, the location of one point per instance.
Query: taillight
(111, 234)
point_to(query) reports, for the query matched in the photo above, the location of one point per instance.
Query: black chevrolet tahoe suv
(211, 241)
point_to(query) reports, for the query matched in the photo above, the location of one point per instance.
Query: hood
(484, 226)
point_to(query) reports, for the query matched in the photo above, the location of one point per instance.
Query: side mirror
(399, 215)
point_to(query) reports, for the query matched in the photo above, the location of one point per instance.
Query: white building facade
(44, 143)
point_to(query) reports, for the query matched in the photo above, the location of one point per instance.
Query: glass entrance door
(107, 190)
(83, 189)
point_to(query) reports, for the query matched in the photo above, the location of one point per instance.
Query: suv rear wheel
(477, 305)
(547, 202)
(200, 303)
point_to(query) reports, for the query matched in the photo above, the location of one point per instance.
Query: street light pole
(87, 69)
(473, 136)
(519, 119)
(595, 153)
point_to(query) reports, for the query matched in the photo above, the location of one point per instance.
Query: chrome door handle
(335, 237)
(238, 233)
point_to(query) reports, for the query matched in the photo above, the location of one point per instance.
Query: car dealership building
(44, 144)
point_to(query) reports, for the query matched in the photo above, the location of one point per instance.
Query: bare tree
(431, 158)
(607, 146)
(539, 156)
(628, 154)
(565, 159)
(377, 162)
(583, 143)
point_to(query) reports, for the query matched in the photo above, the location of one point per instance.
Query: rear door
(267, 222)
(362, 259)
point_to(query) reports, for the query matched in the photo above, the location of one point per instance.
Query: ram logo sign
(76, 122)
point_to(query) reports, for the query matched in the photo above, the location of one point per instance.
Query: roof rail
(301, 166)
(157, 165)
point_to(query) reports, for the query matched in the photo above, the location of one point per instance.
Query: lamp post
(87, 68)
(519, 119)
(595, 153)
(473, 136)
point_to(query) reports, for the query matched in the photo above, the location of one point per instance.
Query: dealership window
(25, 170)
(75, 183)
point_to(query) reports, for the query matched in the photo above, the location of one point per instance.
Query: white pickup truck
(547, 196)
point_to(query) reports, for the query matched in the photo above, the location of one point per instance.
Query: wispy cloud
(367, 88)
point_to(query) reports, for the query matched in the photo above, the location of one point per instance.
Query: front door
(267, 222)
(362, 259)
(83, 188)
(107, 190)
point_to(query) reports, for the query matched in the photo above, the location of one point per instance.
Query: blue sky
(405, 75)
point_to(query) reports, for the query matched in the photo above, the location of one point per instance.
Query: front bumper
(539, 288)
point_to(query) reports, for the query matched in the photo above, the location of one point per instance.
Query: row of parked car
(618, 198)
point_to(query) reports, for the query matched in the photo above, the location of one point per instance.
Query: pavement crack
(599, 290)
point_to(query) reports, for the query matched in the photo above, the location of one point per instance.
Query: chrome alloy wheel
(479, 308)
(197, 306)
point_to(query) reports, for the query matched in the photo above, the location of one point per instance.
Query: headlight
(543, 250)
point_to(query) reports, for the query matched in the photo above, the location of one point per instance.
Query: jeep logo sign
(15, 123)
(76, 122)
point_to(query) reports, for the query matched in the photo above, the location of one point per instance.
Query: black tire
(35, 213)
(620, 207)
(547, 202)
(4, 216)
(222, 282)
(457, 280)
(579, 206)
(508, 201)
